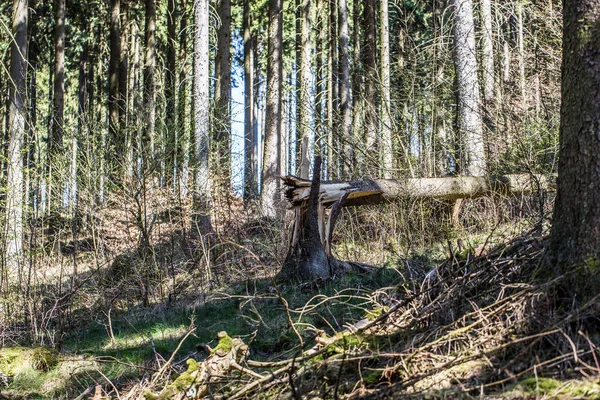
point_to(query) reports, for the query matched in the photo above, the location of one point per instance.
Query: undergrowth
(455, 311)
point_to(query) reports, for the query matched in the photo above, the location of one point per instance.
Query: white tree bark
(386, 120)
(470, 122)
(303, 79)
(345, 100)
(201, 195)
(16, 132)
(488, 51)
(269, 197)
(377, 191)
(521, 40)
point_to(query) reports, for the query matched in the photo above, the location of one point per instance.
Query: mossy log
(194, 383)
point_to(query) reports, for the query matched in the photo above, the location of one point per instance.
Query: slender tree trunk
(574, 247)
(488, 52)
(223, 94)
(303, 79)
(387, 148)
(149, 83)
(270, 199)
(332, 78)
(123, 89)
(181, 156)
(347, 158)
(470, 124)
(321, 38)
(370, 82)
(521, 43)
(357, 84)
(201, 196)
(55, 149)
(113, 78)
(250, 191)
(488, 81)
(173, 134)
(16, 133)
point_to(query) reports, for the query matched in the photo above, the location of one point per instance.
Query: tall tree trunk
(123, 81)
(470, 124)
(250, 191)
(223, 94)
(55, 149)
(332, 78)
(201, 196)
(320, 42)
(521, 44)
(488, 52)
(269, 197)
(149, 83)
(182, 150)
(575, 233)
(387, 148)
(370, 83)
(357, 83)
(303, 79)
(173, 133)
(347, 158)
(16, 132)
(488, 82)
(113, 79)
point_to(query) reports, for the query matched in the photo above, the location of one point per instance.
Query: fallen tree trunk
(381, 190)
(318, 204)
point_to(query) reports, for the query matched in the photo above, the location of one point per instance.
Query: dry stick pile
(473, 325)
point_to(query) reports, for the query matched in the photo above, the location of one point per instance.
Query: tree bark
(182, 149)
(488, 52)
(201, 196)
(347, 143)
(250, 137)
(173, 134)
(16, 133)
(387, 149)
(332, 78)
(113, 77)
(149, 83)
(470, 123)
(303, 79)
(370, 81)
(269, 197)
(384, 190)
(223, 94)
(575, 233)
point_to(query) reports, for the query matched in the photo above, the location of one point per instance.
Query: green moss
(543, 384)
(225, 343)
(182, 383)
(372, 377)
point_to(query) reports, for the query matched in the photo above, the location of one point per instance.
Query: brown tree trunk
(250, 137)
(149, 83)
(173, 134)
(269, 196)
(223, 94)
(113, 78)
(575, 234)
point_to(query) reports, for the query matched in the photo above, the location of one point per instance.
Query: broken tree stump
(318, 205)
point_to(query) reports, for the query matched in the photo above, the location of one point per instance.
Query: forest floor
(468, 313)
